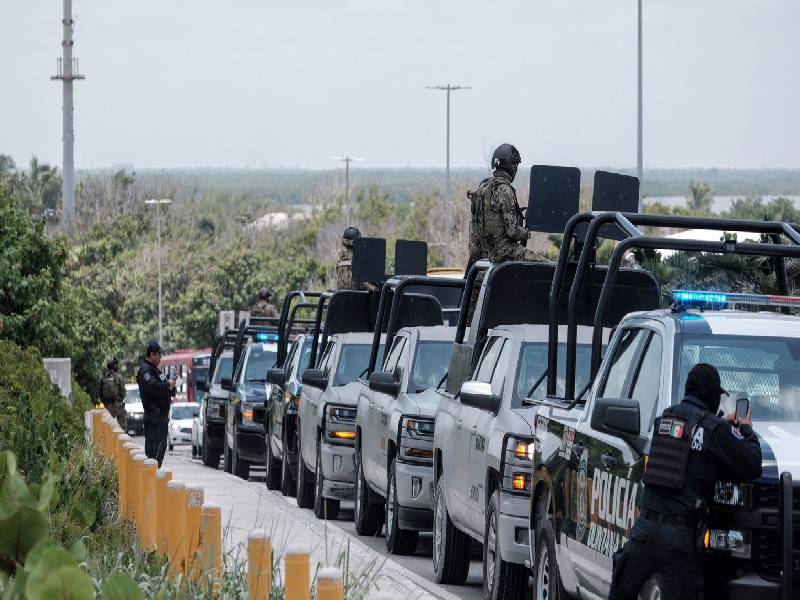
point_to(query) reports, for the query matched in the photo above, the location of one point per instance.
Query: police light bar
(267, 337)
(699, 297)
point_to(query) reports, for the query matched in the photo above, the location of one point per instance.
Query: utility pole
(347, 160)
(447, 88)
(158, 204)
(639, 152)
(67, 72)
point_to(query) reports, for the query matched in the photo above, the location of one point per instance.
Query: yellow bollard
(211, 544)
(177, 510)
(129, 448)
(298, 577)
(329, 584)
(136, 497)
(194, 504)
(162, 510)
(115, 445)
(259, 565)
(149, 505)
(122, 439)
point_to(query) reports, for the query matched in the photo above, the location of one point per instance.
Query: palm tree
(700, 199)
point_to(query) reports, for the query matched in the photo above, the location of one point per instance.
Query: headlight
(516, 465)
(736, 543)
(174, 426)
(415, 439)
(737, 495)
(340, 424)
(247, 412)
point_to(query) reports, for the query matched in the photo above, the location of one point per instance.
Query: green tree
(700, 199)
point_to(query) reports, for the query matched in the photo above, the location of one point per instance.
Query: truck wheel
(546, 582)
(368, 516)
(170, 446)
(210, 457)
(288, 484)
(450, 546)
(398, 541)
(228, 458)
(273, 474)
(324, 508)
(652, 589)
(305, 491)
(501, 580)
(241, 467)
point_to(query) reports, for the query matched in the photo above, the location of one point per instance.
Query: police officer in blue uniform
(692, 448)
(156, 392)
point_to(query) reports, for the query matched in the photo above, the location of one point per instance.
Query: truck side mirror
(315, 378)
(227, 384)
(277, 376)
(260, 414)
(384, 383)
(479, 395)
(202, 384)
(616, 416)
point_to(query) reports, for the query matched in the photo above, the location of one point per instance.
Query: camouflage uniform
(496, 229)
(263, 308)
(344, 271)
(116, 406)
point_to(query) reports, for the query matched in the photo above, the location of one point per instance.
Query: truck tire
(451, 550)
(194, 450)
(288, 484)
(273, 474)
(368, 515)
(305, 481)
(501, 580)
(652, 589)
(241, 467)
(210, 457)
(546, 581)
(324, 508)
(228, 458)
(398, 541)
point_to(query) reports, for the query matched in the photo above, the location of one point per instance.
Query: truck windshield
(352, 362)
(430, 365)
(224, 368)
(258, 362)
(764, 369)
(532, 370)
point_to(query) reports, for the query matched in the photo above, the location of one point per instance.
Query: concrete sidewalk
(248, 505)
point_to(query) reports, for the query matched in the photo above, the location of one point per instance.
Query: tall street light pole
(347, 160)
(158, 204)
(639, 105)
(448, 88)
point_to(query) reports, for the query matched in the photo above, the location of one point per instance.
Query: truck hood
(253, 392)
(216, 391)
(348, 393)
(427, 402)
(134, 408)
(780, 447)
(526, 416)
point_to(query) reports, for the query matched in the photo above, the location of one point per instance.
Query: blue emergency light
(698, 298)
(263, 336)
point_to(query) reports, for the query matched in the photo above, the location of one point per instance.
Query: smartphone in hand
(742, 408)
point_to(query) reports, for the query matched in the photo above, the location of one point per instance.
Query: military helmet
(264, 294)
(153, 348)
(350, 234)
(506, 158)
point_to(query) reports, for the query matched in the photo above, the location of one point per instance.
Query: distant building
(276, 220)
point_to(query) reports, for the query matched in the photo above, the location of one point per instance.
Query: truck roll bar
(305, 298)
(628, 223)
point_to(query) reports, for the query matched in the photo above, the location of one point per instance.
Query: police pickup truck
(483, 427)
(213, 415)
(588, 455)
(396, 407)
(328, 399)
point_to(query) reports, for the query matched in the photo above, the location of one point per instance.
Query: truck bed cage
(628, 223)
(345, 311)
(248, 333)
(288, 317)
(416, 301)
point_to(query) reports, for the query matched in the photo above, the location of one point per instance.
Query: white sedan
(181, 415)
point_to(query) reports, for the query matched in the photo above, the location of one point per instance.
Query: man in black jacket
(156, 392)
(692, 448)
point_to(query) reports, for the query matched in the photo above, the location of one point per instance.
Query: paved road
(419, 565)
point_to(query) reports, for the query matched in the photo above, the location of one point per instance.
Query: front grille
(186, 430)
(767, 545)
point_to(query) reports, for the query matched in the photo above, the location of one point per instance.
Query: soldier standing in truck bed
(497, 230)
(263, 307)
(344, 266)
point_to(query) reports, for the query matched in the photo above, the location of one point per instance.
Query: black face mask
(704, 384)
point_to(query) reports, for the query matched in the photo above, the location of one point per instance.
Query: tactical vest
(671, 463)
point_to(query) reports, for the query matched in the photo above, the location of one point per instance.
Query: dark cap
(153, 348)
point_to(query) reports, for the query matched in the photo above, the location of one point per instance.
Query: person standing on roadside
(692, 449)
(112, 392)
(156, 392)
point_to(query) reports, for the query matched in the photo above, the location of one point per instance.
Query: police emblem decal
(580, 498)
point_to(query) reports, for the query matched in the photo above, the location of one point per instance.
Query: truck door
(310, 407)
(467, 475)
(482, 428)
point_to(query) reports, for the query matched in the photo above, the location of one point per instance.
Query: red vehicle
(182, 365)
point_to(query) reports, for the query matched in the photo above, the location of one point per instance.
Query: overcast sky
(255, 83)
